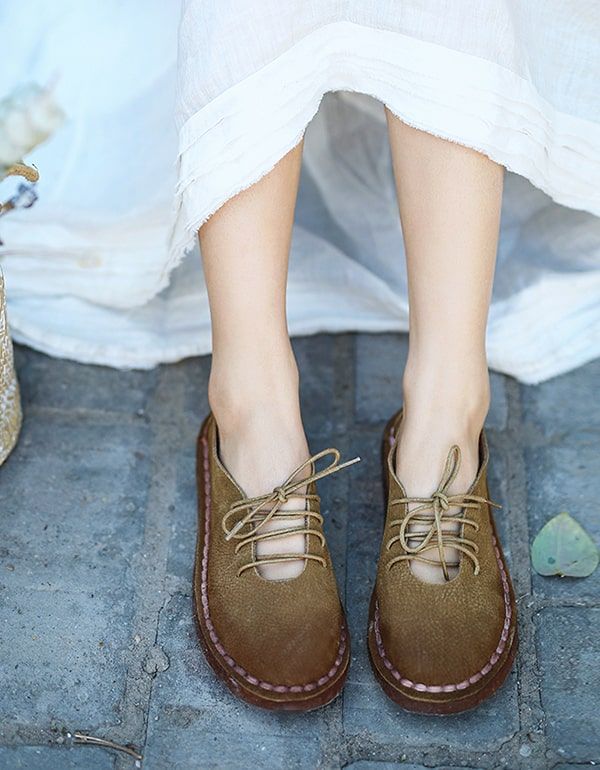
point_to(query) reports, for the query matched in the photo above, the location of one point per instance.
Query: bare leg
(449, 198)
(253, 388)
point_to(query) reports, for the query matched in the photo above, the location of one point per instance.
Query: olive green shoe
(441, 648)
(278, 644)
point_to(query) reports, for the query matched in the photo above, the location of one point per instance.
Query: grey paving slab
(194, 719)
(567, 766)
(189, 749)
(565, 404)
(318, 381)
(65, 658)
(498, 413)
(184, 515)
(363, 764)
(45, 758)
(337, 509)
(380, 361)
(364, 538)
(568, 653)
(565, 476)
(56, 383)
(73, 497)
(191, 376)
(369, 713)
(499, 484)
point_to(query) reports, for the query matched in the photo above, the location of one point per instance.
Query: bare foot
(260, 450)
(426, 435)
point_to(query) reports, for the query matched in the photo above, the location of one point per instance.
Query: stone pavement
(97, 533)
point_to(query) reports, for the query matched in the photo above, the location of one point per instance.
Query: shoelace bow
(264, 508)
(431, 512)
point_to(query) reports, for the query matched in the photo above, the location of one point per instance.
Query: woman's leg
(449, 198)
(253, 387)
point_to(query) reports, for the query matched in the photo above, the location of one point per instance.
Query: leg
(449, 198)
(253, 388)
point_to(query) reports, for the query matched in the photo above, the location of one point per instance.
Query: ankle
(244, 392)
(261, 436)
(441, 408)
(459, 397)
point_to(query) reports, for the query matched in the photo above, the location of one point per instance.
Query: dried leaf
(563, 547)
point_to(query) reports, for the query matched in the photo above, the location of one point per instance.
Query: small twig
(91, 740)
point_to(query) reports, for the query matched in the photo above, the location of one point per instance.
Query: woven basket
(11, 415)
(10, 401)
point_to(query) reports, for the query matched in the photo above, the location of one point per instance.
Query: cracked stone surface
(96, 548)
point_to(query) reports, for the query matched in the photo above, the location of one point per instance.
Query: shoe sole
(313, 701)
(428, 706)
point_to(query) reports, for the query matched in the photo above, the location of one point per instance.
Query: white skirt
(96, 270)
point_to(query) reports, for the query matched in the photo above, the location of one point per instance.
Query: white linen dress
(97, 271)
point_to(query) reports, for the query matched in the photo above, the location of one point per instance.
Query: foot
(429, 428)
(261, 442)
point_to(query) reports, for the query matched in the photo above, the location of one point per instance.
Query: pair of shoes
(284, 644)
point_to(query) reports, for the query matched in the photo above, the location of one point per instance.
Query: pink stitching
(279, 688)
(494, 658)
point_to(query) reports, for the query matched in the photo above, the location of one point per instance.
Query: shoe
(441, 648)
(278, 644)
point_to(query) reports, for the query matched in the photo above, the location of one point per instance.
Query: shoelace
(256, 517)
(431, 512)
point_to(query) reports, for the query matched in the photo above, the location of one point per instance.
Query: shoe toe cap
(282, 645)
(441, 653)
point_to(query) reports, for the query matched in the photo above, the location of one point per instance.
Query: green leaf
(563, 547)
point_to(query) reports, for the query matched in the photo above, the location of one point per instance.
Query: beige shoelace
(431, 512)
(264, 508)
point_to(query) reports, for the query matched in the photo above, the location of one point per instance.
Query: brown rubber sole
(430, 706)
(235, 683)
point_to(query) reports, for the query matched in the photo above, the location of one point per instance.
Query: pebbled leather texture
(275, 642)
(442, 646)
